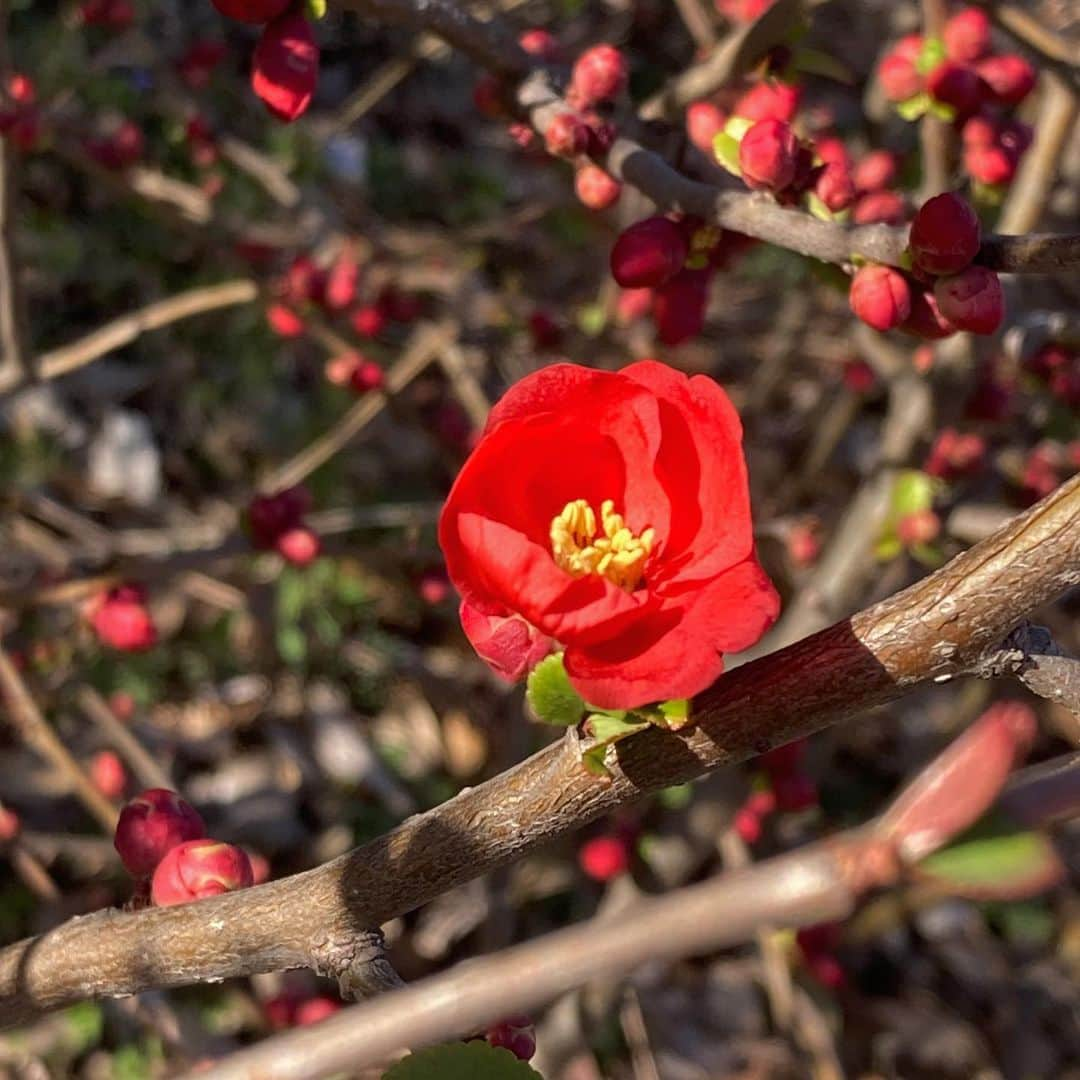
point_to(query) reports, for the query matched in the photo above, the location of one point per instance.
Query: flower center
(617, 554)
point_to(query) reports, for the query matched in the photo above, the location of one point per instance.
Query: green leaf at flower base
(991, 863)
(674, 714)
(726, 149)
(990, 196)
(942, 111)
(606, 729)
(914, 107)
(888, 548)
(316, 9)
(929, 555)
(817, 208)
(474, 1060)
(932, 53)
(550, 696)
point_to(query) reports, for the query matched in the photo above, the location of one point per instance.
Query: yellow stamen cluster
(618, 554)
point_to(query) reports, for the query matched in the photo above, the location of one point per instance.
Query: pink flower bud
(875, 172)
(967, 35)
(768, 155)
(879, 208)
(954, 455)
(835, 186)
(899, 77)
(633, 304)
(315, 1010)
(120, 620)
(368, 321)
(704, 121)
(989, 164)
(367, 376)
(252, 11)
(945, 235)
(958, 86)
(566, 136)
(919, 527)
(648, 253)
(604, 857)
(595, 188)
(769, 101)
(880, 296)
(545, 332)
(833, 151)
(271, 515)
(285, 66)
(341, 281)
(10, 825)
(299, 546)
(197, 869)
(1010, 77)
(284, 321)
(151, 825)
(339, 369)
(747, 825)
(925, 320)
(542, 44)
(599, 74)
(107, 774)
(971, 300)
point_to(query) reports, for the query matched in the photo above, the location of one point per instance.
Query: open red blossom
(609, 511)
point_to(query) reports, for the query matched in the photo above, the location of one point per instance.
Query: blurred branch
(37, 733)
(124, 330)
(934, 134)
(936, 628)
(143, 764)
(698, 22)
(821, 882)
(1028, 196)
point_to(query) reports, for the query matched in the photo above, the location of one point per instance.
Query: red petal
(506, 642)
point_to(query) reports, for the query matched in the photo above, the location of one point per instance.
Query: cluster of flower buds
(121, 619)
(516, 1034)
(1046, 467)
(955, 455)
(945, 290)
(666, 265)
(285, 64)
(162, 838)
(1058, 367)
(961, 79)
(20, 120)
(276, 523)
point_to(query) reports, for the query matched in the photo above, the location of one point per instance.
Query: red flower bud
(679, 306)
(648, 253)
(743, 11)
(880, 208)
(919, 527)
(880, 296)
(542, 44)
(566, 136)
(967, 35)
(120, 620)
(859, 376)
(768, 155)
(506, 642)
(747, 825)
(925, 320)
(366, 377)
(899, 77)
(958, 86)
(151, 825)
(197, 869)
(944, 235)
(315, 1010)
(803, 545)
(704, 121)
(971, 300)
(835, 187)
(107, 774)
(875, 172)
(271, 515)
(516, 1034)
(546, 333)
(10, 825)
(794, 792)
(604, 857)
(633, 304)
(989, 164)
(769, 101)
(368, 321)
(284, 321)
(252, 11)
(298, 546)
(979, 131)
(595, 188)
(1010, 77)
(833, 151)
(433, 586)
(285, 66)
(599, 74)
(954, 455)
(21, 88)
(761, 803)
(341, 281)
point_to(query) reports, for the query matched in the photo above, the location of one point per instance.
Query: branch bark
(935, 629)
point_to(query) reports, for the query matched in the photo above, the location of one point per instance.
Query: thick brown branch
(936, 628)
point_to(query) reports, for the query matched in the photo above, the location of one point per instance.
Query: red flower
(609, 511)
(285, 66)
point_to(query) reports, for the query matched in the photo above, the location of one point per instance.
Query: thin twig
(935, 135)
(149, 772)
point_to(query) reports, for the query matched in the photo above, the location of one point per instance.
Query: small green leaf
(914, 107)
(474, 1060)
(591, 319)
(933, 52)
(913, 492)
(738, 126)
(316, 9)
(549, 693)
(726, 150)
(888, 548)
(994, 865)
(292, 645)
(609, 727)
(675, 713)
(928, 555)
(817, 208)
(677, 797)
(942, 111)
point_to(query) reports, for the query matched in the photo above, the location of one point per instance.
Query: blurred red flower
(609, 511)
